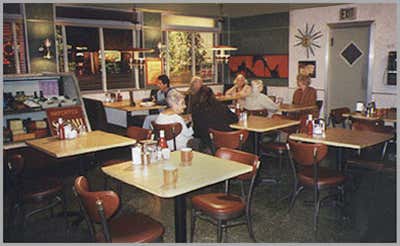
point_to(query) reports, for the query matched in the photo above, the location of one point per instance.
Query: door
(348, 66)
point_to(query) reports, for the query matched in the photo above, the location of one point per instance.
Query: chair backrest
(368, 125)
(96, 114)
(307, 154)
(259, 112)
(231, 139)
(336, 115)
(138, 133)
(92, 202)
(15, 164)
(171, 130)
(239, 156)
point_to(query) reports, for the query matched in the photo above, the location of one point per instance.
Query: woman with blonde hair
(241, 89)
(305, 94)
(258, 101)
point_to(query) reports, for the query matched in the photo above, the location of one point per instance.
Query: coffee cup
(170, 174)
(186, 156)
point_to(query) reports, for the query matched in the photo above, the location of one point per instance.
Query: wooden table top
(295, 108)
(390, 118)
(340, 137)
(205, 170)
(263, 124)
(125, 106)
(90, 142)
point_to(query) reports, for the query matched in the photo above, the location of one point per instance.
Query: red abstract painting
(260, 66)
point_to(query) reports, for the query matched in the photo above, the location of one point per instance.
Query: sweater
(306, 97)
(185, 135)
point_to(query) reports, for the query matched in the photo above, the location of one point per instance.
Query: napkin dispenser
(136, 154)
(360, 107)
(318, 126)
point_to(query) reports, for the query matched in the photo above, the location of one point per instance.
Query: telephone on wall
(392, 68)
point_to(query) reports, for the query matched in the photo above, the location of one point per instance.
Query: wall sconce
(45, 49)
(135, 60)
(220, 54)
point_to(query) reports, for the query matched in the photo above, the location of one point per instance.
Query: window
(83, 56)
(190, 41)
(183, 47)
(13, 48)
(119, 72)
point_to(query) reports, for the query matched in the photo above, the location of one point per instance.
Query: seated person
(258, 101)
(305, 94)
(176, 106)
(241, 89)
(158, 96)
(195, 84)
(208, 112)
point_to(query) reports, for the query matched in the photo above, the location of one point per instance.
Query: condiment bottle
(309, 125)
(162, 142)
(60, 129)
(119, 96)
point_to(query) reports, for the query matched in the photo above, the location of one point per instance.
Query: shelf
(22, 111)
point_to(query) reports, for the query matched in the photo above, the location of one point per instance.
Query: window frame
(14, 19)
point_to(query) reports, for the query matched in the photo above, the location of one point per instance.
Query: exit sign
(347, 14)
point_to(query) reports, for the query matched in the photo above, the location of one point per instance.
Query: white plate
(147, 104)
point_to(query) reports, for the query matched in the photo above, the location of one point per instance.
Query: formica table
(289, 108)
(389, 118)
(344, 138)
(124, 105)
(258, 125)
(223, 98)
(205, 170)
(90, 142)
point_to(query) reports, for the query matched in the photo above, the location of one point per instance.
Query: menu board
(153, 69)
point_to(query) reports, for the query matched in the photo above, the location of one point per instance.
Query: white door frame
(371, 53)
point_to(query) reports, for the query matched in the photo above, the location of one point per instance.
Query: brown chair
(219, 208)
(310, 175)
(42, 193)
(278, 149)
(231, 139)
(336, 117)
(102, 206)
(362, 159)
(171, 130)
(260, 112)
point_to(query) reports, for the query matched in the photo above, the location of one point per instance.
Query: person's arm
(246, 91)
(267, 103)
(231, 91)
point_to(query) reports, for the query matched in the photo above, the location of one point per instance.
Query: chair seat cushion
(326, 177)
(219, 204)
(367, 164)
(42, 188)
(133, 228)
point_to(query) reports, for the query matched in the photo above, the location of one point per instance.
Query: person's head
(163, 82)
(257, 86)
(195, 84)
(204, 99)
(176, 101)
(240, 80)
(303, 81)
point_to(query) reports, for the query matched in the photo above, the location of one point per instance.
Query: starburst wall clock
(308, 38)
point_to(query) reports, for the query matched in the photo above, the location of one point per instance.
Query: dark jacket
(218, 117)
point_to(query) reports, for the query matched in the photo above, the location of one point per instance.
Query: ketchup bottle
(60, 129)
(162, 142)
(309, 125)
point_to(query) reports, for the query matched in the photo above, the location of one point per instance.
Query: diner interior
(200, 122)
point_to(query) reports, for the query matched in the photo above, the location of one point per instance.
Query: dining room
(200, 122)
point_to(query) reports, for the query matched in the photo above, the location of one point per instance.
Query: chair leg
(316, 212)
(105, 182)
(250, 226)
(119, 189)
(193, 224)
(242, 189)
(295, 194)
(219, 231)
(64, 208)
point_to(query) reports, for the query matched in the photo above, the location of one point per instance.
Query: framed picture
(153, 68)
(260, 66)
(307, 68)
